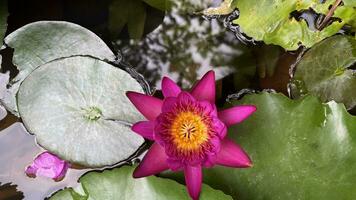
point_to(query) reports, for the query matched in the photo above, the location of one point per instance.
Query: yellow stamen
(189, 131)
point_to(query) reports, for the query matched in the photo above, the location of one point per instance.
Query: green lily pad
(301, 149)
(271, 21)
(38, 43)
(324, 71)
(119, 184)
(77, 108)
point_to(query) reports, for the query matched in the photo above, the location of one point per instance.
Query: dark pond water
(179, 44)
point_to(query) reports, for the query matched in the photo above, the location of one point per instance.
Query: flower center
(189, 131)
(92, 113)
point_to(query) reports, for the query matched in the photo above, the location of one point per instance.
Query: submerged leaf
(300, 150)
(325, 71)
(38, 43)
(133, 14)
(271, 21)
(119, 184)
(78, 110)
(160, 4)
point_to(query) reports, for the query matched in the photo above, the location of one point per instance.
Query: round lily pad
(77, 109)
(40, 42)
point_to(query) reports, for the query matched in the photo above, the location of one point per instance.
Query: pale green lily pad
(119, 184)
(38, 43)
(301, 149)
(271, 21)
(4, 80)
(324, 71)
(77, 108)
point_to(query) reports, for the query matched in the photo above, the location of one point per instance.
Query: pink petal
(209, 108)
(48, 165)
(31, 170)
(144, 128)
(219, 127)
(170, 88)
(193, 180)
(236, 114)
(212, 155)
(185, 98)
(232, 155)
(205, 88)
(154, 162)
(168, 104)
(149, 106)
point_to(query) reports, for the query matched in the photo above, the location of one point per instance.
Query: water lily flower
(188, 131)
(48, 165)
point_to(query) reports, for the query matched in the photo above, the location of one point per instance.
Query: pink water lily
(48, 165)
(188, 131)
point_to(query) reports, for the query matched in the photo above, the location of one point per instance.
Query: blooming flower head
(188, 131)
(48, 165)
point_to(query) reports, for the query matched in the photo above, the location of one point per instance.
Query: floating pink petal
(48, 165)
(188, 132)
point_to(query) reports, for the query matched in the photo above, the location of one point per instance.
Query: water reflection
(18, 148)
(184, 47)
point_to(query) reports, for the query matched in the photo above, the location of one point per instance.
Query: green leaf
(41, 42)
(119, 184)
(301, 149)
(324, 71)
(271, 21)
(350, 2)
(77, 108)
